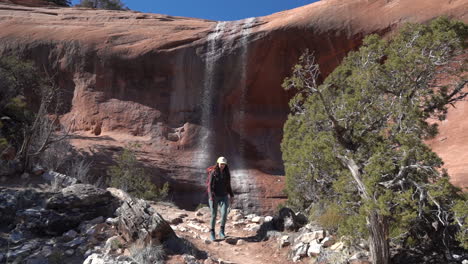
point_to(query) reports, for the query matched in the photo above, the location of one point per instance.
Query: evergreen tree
(60, 2)
(129, 176)
(356, 141)
(104, 4)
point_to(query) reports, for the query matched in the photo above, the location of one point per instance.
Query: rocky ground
(85, 224)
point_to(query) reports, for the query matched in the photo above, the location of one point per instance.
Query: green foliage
(358, 138)
(104, 4)
(460, 210)
(129, 176)
(16, 78)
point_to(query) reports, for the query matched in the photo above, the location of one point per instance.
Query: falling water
(242, 182)
(246, 29)
(205, 147)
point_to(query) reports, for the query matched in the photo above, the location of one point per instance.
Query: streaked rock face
(197, 89)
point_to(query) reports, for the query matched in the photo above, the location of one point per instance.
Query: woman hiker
(219, 186)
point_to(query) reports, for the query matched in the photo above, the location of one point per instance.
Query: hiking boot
(221, 233)
(212, 235)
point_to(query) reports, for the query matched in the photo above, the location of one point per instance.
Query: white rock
(250, 216)
(239, 242)
(284, 241)
(328, 241)
(70, 234)
(307, 237)
(268, 218)
(113, 243)
(237, 217)
(337, 246)
(319, 234)
(69, 252)
(112, 221)
(257, 219)
(314, 249)
(465, 261)
(357, 256)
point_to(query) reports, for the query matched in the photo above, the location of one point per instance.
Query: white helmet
(222, 160)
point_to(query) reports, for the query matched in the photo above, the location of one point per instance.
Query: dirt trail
(239, 246)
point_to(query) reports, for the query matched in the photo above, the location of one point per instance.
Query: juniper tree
(357, 140)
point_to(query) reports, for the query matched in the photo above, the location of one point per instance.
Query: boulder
(139, 221)
(286, 220)
(108, 259)
(314, 248)
(85, 198)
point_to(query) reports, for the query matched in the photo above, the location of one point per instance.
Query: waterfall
(204, 150)
(241, 178)
(246, 29)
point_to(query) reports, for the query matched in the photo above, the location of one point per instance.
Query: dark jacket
(216, 172)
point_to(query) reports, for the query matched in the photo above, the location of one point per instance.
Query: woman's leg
(224, 203)
(214, 212)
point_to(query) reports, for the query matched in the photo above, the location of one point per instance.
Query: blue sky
(214, 9)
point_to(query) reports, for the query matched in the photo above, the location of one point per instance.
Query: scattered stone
(112, 221)
(96, 220)
(237, 217)
(38, 170)
(203, 211)
(300, 250)
(314, 248)
(113, 243)
(252, 227)
(71, 234)
(286, 220)
(207, 241)
(176, 221)
(257, 219)
(46, 251)
(327, 242)
(25, 176)
(250, 216)
(268, 218)
(75, 242)
(189, 259)
(284, 241)
(465, 261)
(240, 242)
(358, 256)
(337, 246)
(69, 252)
(108, 259)
(230, 240)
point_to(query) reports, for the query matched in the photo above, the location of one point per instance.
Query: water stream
(204, 150)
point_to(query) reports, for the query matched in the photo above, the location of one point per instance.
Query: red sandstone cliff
(146, 75)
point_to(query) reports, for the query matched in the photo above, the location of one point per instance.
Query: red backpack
(209, 170)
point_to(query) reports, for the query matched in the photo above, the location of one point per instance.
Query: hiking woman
(219, 187)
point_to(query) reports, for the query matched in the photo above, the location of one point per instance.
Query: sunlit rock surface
(196, 89)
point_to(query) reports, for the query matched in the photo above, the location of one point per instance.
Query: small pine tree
(104, 4)
(129, 176)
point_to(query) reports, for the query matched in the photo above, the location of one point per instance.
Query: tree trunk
(379, 248)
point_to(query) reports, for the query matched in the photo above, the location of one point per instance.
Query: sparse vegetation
(150, 254)
(103, 4)
(129, 176)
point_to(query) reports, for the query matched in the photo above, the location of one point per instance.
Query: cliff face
(197, 89)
